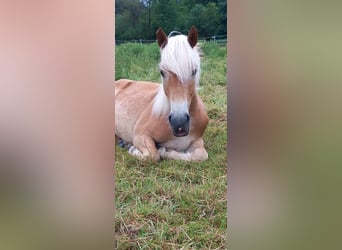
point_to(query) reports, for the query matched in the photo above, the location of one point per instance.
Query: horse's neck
(194, 103)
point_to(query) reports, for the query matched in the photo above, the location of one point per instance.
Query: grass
(175, 204)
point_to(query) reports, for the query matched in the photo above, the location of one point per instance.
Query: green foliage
(136, 61)
(213, 64)
(164, 14)
(175, 204)
(206, 18)
(213, 50)
(128, 14)
(139, 19)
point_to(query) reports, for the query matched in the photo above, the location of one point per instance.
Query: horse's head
(180, 73)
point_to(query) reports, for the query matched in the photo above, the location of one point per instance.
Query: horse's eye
(193, 73)
(162, 73)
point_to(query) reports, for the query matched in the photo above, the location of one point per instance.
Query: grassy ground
(175, 204)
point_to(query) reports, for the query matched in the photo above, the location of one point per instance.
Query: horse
(168, 120)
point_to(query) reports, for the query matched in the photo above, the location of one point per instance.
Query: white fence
(222, 39)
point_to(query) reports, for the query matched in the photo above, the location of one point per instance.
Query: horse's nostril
(187, 117)
(170, 118)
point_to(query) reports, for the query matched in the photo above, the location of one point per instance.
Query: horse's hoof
(162, 151)
(133, 150)
(122, 143)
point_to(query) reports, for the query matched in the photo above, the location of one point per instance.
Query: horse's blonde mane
(161, 105)
(181, 59)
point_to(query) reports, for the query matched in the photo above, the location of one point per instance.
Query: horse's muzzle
(179, 124)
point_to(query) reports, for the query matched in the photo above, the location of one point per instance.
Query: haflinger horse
(168, 120)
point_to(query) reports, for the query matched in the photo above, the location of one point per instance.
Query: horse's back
(132, 99)
(129, 86)
(132, 92)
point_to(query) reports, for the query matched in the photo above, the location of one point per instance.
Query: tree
(205, 18)
(139, 19)
(164, 14)
(128, 18)
(212, 19)
(222, 5)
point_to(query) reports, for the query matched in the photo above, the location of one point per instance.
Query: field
(175, 204)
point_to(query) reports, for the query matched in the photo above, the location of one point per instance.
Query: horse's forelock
(180, 58)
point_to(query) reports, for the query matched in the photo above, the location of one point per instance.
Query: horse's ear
(161, 38)
(193, 36)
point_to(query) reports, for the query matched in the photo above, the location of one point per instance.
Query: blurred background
(56, 124)
(284, 124)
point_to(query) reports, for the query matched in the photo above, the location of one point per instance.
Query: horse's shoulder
(201, 111)
(200, 118)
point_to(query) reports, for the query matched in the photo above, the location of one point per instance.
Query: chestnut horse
(165, 121)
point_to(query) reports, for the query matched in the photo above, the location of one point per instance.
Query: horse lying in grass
(168, 120)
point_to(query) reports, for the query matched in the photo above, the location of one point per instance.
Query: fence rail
(222, 39)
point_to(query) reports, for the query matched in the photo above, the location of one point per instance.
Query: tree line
(139, 19)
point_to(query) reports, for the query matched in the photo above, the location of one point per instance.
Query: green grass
(174, 204)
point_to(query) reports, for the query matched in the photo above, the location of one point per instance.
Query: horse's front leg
(196, 152)
(144, 147)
